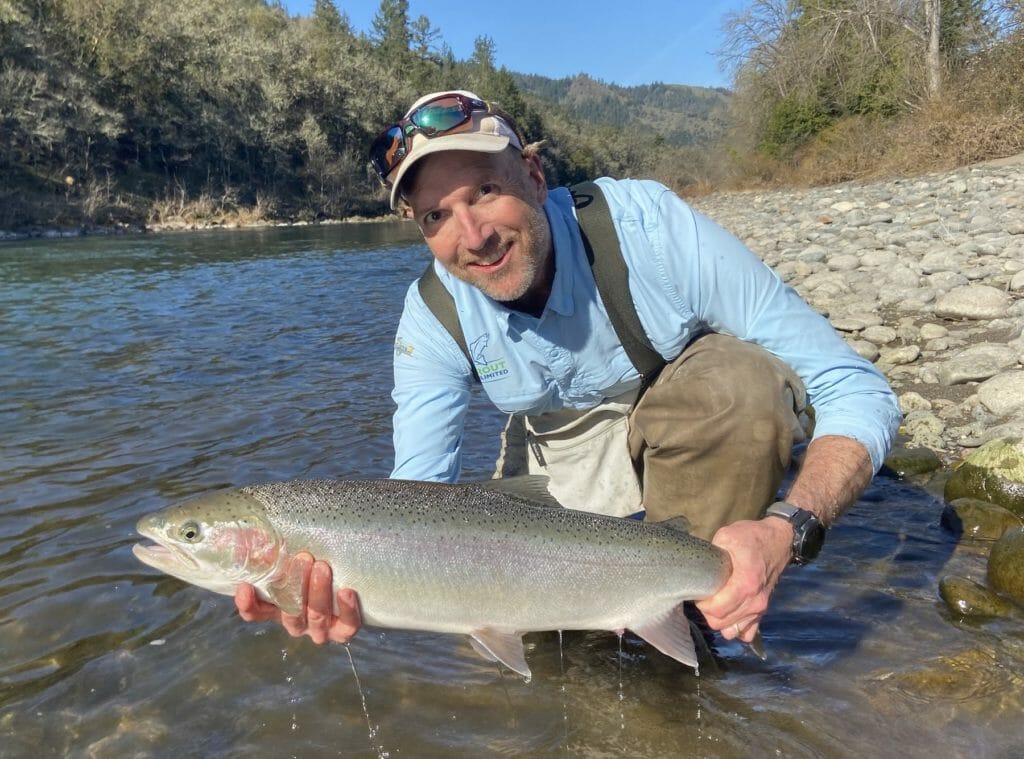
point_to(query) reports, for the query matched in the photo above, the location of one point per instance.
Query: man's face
(482, 216)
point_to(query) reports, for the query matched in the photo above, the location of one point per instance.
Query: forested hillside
(127, 111)
(140, 111)
(680, 114)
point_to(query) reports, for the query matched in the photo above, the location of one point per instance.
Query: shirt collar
(565, 238)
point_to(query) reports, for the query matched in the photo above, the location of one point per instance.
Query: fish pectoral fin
(286, 592)
(504, 647)
(670, 634)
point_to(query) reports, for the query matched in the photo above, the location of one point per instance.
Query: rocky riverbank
(923, 276)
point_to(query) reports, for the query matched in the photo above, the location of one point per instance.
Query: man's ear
(540, 182)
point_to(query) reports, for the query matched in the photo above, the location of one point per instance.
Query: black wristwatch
(808, 532)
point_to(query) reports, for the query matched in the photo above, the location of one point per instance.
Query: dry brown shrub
(847, 150)
(980, 116)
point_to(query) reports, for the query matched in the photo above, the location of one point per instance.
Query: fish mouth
(165, 559)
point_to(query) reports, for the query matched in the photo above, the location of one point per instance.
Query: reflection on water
(140, 370)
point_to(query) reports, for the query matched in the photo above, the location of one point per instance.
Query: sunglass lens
(440, 115)
(388, 150)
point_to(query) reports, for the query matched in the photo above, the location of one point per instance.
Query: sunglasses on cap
(446, 114)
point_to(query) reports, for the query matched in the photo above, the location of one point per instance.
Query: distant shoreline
(59, 233)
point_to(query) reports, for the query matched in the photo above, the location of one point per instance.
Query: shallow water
(135, 371)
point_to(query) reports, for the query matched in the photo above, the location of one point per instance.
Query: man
(745, 362)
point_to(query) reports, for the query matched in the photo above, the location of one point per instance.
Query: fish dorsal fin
(529, 487)
(504, 647)
(677, 524)
(670, 634)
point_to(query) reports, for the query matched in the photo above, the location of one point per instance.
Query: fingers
(318, 619)
(251, 608)
(349, 620)
(320, 606)
(736, 609)
(745, 631)
(758, 558)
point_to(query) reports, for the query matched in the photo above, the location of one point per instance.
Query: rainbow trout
(492, 560)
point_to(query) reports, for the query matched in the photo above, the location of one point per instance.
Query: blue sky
(625, 42)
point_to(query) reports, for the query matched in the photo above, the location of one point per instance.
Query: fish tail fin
(670, 634)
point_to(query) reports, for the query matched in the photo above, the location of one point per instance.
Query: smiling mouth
(493, 264)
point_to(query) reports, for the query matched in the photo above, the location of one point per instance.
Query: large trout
(492, 560)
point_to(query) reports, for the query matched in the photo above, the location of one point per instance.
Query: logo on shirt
(487, 369)
(402, 348)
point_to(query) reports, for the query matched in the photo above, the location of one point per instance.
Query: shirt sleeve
(733, 292)
(432, 390)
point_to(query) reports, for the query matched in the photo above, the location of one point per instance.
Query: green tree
(391, 31)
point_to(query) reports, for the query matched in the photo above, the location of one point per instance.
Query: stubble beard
(533, 247)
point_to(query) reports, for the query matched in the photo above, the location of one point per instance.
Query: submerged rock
(1006, 564)
(994, 473)
(962, 676)
(968, 598)
(909, 461)
(979, 520)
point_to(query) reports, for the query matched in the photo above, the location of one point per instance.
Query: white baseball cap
(485, 132)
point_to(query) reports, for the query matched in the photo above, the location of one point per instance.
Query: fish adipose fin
(670, 634)
(504, 647)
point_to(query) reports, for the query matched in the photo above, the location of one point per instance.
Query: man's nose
(474, 230)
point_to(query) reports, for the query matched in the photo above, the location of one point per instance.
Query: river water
(136, 371)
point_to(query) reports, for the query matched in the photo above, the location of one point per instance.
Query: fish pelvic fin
(670, 634)
(506, 648)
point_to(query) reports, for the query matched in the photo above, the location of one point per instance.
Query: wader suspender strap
(612, 277)
(610, 273)
(442, 305)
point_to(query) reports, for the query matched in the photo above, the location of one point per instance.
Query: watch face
(808, 532)
(811, 535)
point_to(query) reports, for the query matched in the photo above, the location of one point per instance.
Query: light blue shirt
(687, 276)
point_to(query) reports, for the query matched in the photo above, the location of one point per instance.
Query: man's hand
(760, 551)
(318, 619)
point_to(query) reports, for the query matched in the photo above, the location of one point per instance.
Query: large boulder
(979, 520)
(993, 473)
(1006, 565)
(970, 599)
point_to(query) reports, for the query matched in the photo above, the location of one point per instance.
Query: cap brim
(471, 141)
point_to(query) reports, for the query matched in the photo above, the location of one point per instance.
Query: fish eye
(190, 531)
